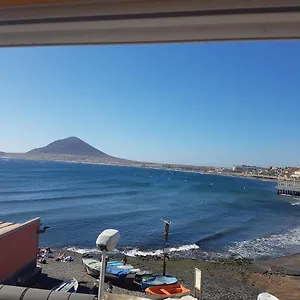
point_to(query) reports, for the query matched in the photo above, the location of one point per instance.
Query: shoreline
(227, 279)
(153, 166)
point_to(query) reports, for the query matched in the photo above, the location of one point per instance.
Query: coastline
(155, 166)
(226, 279)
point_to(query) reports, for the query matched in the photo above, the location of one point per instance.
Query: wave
(85, 196)
(295, 201)
(113, 183)
(260, 248)
(286, 195)
(219, 235)
(133, 252)
(270, 246)
(40, 191)
(191, 251)
(136, 252)
(82, 250)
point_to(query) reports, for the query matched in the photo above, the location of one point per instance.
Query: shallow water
(212, 216)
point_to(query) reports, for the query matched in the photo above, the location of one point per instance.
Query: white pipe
(102, 276)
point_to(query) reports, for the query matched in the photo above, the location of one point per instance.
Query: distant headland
(73, 149)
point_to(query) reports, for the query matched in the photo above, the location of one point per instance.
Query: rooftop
(6, 227)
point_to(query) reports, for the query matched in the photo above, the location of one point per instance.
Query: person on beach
(48, 249)
(42, 260)
(60, 257)
(68, 259)
(124, 261)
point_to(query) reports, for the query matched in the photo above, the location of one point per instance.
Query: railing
(288, 184)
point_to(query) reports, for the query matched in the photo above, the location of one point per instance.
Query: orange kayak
(167, 291)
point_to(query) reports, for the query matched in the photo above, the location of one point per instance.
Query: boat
(124, 280)
(124, 266)
(92, 266)
(112, 273)
(157, 281)
(115, 263)
(130, 268)
(116, 271)
(266, 296)
(142, 275)
(167, 291)
(69, 286)
(119, 264)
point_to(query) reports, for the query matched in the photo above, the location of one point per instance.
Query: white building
(244, 168)
(296, 174)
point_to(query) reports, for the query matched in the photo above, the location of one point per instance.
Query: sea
(212, 216)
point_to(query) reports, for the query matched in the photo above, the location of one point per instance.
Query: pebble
(219, 281)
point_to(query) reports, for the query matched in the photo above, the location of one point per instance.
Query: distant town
(270, 173)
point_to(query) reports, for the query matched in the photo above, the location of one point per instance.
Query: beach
(228, 279)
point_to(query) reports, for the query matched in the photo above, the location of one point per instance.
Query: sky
(214, 103)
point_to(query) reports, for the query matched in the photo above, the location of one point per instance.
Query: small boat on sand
(70, 286)
(113, 272)
(167, 291)
(149, 281)
(92, 266)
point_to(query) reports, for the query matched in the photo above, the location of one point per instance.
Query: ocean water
(212, 216)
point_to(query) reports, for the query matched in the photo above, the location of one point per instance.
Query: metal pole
(166, 236)
(102, 276)
(164, 264)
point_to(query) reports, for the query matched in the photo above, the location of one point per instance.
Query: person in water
(124, 261)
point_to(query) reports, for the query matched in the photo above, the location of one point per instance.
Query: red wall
(18, 248)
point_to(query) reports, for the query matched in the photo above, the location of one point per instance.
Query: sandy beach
(231, 279)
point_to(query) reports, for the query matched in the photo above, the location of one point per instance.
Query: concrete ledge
(8, 292)
(123, 22)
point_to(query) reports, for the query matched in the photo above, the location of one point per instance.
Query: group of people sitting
(43, 254)
(63, 257)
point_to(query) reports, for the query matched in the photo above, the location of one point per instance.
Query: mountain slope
(70, 146)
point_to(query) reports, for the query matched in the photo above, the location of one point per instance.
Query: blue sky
(201, 103)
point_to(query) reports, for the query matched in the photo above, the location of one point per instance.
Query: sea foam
(136, 252)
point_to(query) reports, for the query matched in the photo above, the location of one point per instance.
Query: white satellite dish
(266, 296)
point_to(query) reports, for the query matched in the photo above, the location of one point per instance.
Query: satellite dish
(266, 296)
